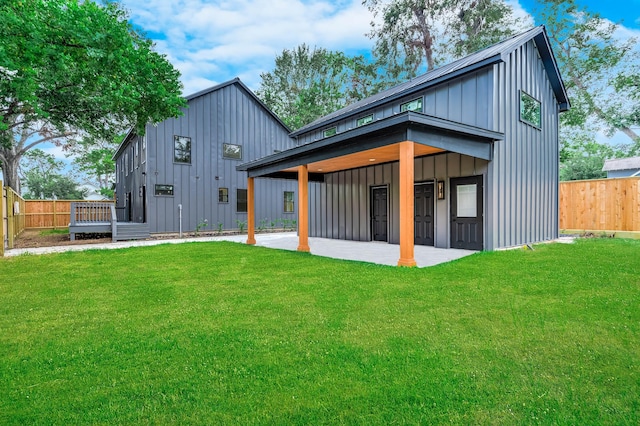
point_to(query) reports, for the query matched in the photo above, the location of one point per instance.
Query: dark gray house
(622, 167)
(465, 156)
(184, 169)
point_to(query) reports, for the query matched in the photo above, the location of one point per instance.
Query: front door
(129, 207)
(466, 213)
(424, 228)
(379, 213)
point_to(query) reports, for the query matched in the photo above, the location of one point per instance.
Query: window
(530, 110)
(144, 149)
(182, 149)
(288, 202)
(364, 120)
(126, 164)
(414, 105)
(467, 200)
(330, 132)
(137, 153)
(241, 200)
(223, 195)
(232, 151)
(164, 190)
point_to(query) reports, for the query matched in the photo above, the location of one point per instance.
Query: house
(464, 156)
(622, 167)
(182, 171)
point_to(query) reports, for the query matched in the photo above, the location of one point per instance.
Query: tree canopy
(44, 178)
(308, 83)
(71, 67)
(410, 33)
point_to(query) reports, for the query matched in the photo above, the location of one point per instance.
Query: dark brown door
(144, 204)
(129, 207)
(424, 214)
(466, 213)
(379, 214)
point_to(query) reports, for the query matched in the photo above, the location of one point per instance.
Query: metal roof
(489, 56)
(630, 163)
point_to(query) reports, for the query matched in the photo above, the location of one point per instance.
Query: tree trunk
(10, 165)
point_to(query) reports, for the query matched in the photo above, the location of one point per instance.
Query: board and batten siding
(463, 99)
(342, 204)
(226, 115)
(522, 197)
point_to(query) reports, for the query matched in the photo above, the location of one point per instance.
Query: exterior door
(379, 214)
(424, 212)
(466, 213)
(129, 207)
(144, 204)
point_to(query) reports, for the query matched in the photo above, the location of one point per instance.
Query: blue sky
(214, 41)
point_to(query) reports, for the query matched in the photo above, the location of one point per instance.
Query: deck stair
(101, 218)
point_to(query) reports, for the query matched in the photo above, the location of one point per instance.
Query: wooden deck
(92, 218)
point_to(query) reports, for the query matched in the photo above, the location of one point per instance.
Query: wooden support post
(251, 212)
(407, 215)
(1, 219)
(54, 215)
(303, 209)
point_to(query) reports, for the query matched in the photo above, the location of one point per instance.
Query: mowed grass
(222, 333)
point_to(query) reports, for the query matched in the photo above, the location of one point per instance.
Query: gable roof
(630, 163)
(204, 92)
(489, 56)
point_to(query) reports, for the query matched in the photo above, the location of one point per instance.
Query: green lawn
(222, 333)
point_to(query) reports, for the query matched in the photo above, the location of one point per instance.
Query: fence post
(2, 219)
(54, 215)
(10, 220)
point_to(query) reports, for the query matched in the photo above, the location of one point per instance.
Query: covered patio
(400, 138)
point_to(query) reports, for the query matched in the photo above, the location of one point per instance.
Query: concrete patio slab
(373, 252)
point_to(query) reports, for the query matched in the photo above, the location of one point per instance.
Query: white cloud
(217, 41)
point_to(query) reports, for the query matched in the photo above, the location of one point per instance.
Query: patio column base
(407, 263)
(251, 241)
(305, 248)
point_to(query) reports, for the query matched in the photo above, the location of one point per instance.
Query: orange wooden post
(303, 209)
(251, 212)
(407, 216)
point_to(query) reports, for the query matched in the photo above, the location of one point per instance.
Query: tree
(309, 83)
(598, 68)
(412, 32)
(93, 158)
(71, 67)
(42, 175)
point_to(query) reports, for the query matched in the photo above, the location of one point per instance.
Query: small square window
(330, 132)
(288, 202)
(530, 110)
(241, 201)
(164, 190)
(223, 195)
(182, 149)
(232, 151)
(364, 120)
(414, 105)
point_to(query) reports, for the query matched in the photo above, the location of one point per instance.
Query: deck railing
(84, 213)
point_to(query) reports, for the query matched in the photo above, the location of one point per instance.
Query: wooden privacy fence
(51, 214)
(13, 217)
(600, 204)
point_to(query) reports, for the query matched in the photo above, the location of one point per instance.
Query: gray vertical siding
(522, 200)
(226, 115)
(352, 207)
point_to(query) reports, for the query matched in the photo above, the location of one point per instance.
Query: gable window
(330, 132)
(164, 190)
(241, 200)
(223, 195)
(414, 105)
(232, 151)
(182, 149)
(288, 202)
(144, 149)
(364, 120)
(530, 110)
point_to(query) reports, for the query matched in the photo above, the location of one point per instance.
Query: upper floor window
(414, 105)
(530, 110)
(232, 151)
(182, 149)
(241, 200)
(364, 120)
(330, 132)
